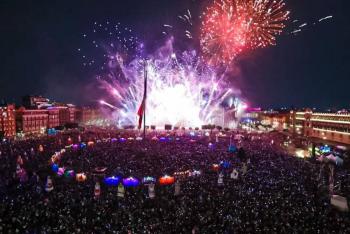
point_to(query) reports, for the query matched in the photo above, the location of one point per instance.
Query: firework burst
(230, 27)
(182, 89)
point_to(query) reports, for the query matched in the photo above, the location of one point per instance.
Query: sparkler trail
(186, 23)
(108, 104)
(306, 25)
(325, 18)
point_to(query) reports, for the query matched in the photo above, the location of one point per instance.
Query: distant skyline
(40, 39)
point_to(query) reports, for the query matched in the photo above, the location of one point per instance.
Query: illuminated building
(251, 113)
(63, 114)
(53, 117)
(7, 120)
(72, 111)
(276, 119)
(67, 113)
(35, 102)
(326, 126)
(87, 115)
(31, 121)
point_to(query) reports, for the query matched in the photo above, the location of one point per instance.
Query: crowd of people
(274, 192)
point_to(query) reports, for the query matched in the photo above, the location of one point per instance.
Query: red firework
(230, 27)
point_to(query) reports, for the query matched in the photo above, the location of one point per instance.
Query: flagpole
(145, 98)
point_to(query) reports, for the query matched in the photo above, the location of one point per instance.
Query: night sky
(39, 41)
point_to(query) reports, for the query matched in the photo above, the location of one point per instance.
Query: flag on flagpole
(140, 113)
(142, 109)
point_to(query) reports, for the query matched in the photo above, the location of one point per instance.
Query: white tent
(340, 203)
(151, 192)
(234, 174)
(331, 158)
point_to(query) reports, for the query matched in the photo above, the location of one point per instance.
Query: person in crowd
(278, 194)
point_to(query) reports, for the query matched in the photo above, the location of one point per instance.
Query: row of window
(333, 134)
(333, 118)
(333, 128)
(31, 129)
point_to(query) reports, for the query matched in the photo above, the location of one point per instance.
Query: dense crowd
(277, 194)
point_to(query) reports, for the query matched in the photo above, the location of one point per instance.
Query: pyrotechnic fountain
(182, 90)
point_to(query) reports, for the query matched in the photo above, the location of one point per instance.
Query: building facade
(32, 121)
(276, 119)
(327, 126)
(53, 117)
(86, 115)
(8, 120)
(72, 113)
(35, 102)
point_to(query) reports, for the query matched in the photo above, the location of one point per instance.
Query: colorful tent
(69, 173)
(162, 139)
(75, 146)
(130, 182)
(114, 140)
(167, 180)
(80, 177)
(225, 164)
(112, 181)
(216, 167)
(148, 180)
(122, 140)
(54, 167)
(60, 171)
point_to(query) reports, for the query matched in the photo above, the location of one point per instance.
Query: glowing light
(107, 104)
(325, 18)
(182, 89)
(230, 27)
(325, 130)
(331, 121)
